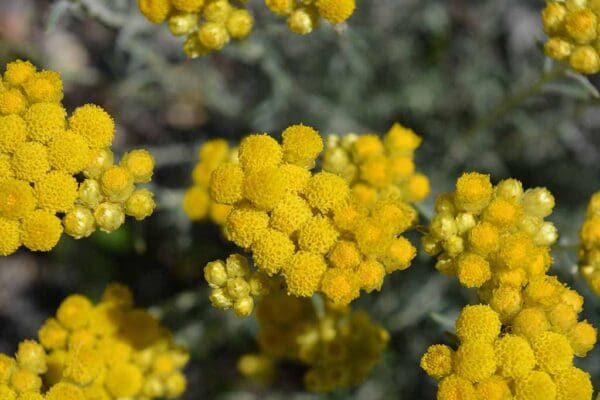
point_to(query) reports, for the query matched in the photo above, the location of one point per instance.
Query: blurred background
(470, 77)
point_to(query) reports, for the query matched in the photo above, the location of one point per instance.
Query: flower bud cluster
(234, 285)
(308, 227)
(208, 25)
(43, 151)
(303, 16)
(589, 249)
(492, 236)
(496, 364)
(197, 202)
(110, 350)
(376, 168)
(339, 348)
(574, 35)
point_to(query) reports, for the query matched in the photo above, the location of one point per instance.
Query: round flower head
(18, 72)
(226, 183)
(336, 11)
(196, 202)
(340, 286)
(239, 24)
(140, 165)
(245, 225)
(266, 187)
(475, 361)
(31, 357)
(473, 191)
(272, 250)
(100, 159)
(370, 274)
(573, 384)
(140, 204)
(56, 191)
(116, 183)
(325, 191)
(79, 222)
(303, 273)
(69, 152)
(109, 216)
(17, 199)
(437, 361)
(536, 385)
(456, 387)
(552, 351)
(303, 20)
(45, 121)
(44, 87)
(30, 161)
(188, 5)
(493, 388)
(514, 356)
(478, 323)
(213, 35)
(259, 151)
(155, 11)
(317, 235)
(94, 124)
(65, 391)
(290, 214)
(301, 145)
(41, 230)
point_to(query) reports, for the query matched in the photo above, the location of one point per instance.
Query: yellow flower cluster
(492, 236)
(207, 24)
(303, 16)
(376, 168)
(308, 227)
(498, 364)
(589, 250)
(110, 350)
(234, 285)
(339, 348)
(572, 28)
(197, 202)
(520, 343)
(41, 153)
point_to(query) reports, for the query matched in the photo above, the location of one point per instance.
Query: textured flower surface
(108, 350)
(56, 172)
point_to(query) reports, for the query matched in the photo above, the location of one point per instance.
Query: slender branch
(515, 100)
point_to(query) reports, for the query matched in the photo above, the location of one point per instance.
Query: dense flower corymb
(45, 156)
(109, 350)
(339, 347)
(307, 227)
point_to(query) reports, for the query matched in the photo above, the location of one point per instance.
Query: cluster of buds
(589, 250)
(43, 153)
(197, 202)
(234, 286)
(522, 341)
(339, 347)
(303, 16)
(574, 37)
(492, 236)
(376, 168)
(308, 227)
(208, 25)
(492, 364)
(110, 350)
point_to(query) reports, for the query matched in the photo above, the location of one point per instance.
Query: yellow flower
(475, 361)
(340, 286)
(140, 204)
(259, 151)
(56, 192)
(552, 351)
(17, 199)
(44, 87)
(140, 165)
(45, 121)
(437, 361)
(18, 72)
(94, 124)
(473, 191)
(68, 152)
(514, 355)
(478, 323)
(12, 101)
(336, 11)
(303, 273)
(226, 183)
(536, 385)
(188, 5)
(116, 183)
(301, 145)
(195, 203)
(272, 250)
(239, 24)
(30, 161)
(155, 11)
(10, 236)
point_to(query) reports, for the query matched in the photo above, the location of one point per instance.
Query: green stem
(516, 99)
